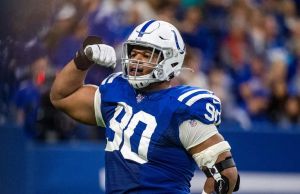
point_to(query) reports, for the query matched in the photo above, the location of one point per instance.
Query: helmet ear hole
(174, 64)
(171, 76)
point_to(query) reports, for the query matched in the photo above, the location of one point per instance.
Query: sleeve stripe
(97, 108)
(103, 82)
(185, 95)
(110, 78)
(191, 101)
(113, 77)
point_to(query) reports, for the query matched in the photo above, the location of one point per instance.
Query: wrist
(81, 60)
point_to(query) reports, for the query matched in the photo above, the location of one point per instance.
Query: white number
(151, 124)
(214, 115)
(120, 129)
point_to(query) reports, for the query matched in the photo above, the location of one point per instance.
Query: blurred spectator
(28, 96)
(278, 60)
(292, 110)
(221, 84)
(256, 31)
(148, 9)
(196, 34)
(108, 21)
(64, 23)
(274, 39)
(287, 16)
(277, 100)
(36, 114)
(8, 83)
(294, 82)
(193, 75)
(235, 49)
(247, 52)
(168, 12)
(69, 44)
(293, 45)
(253, 90)
(215, 14)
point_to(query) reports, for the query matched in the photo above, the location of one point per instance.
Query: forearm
(69, 93)
(230, 173)
(213, 146)
(67, 81)
(209, 185)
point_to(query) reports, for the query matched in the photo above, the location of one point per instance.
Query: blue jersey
(144, 153)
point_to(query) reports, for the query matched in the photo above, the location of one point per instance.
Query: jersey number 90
(126, 127)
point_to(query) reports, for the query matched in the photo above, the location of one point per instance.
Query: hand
(209, 186)
(81, 60)
(101, 54)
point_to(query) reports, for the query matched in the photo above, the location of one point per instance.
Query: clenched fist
(93, 51)
(101, 54)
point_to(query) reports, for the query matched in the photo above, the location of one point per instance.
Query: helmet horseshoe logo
(181, 51)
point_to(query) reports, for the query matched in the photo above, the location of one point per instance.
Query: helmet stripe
(142, 31)
(181, 51)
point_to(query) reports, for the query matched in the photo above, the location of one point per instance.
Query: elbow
(54, 100)
(232, 182)
(232, 175)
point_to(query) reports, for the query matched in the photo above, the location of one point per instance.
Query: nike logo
(163, 38)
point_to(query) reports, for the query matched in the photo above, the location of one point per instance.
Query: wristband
(81, 60)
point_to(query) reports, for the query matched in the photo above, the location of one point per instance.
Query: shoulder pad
(201, 104)
(114, 88)
(112, 79)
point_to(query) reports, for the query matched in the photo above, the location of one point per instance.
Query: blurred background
(246, 51)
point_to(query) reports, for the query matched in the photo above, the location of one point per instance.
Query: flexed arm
(69, 93)
(212, 154)
(214, 157)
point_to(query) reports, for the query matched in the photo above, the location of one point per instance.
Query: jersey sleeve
(194, 132)
(110, 82)
(201, 105)
(102, 92)
(97, 108)
(109, 91)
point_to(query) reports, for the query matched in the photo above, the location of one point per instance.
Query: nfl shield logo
(139, 98)
(193, 123)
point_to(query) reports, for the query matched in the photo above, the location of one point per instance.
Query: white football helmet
(163, 38)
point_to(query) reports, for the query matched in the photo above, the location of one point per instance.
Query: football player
(156, 134)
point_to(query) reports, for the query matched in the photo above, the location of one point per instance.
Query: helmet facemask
(131, 67)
